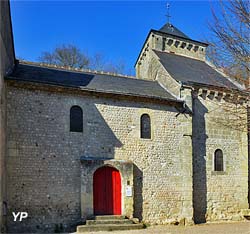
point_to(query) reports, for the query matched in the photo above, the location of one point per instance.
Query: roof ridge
(79, 70)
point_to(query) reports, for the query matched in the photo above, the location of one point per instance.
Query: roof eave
(183, 38)
(11, 78)
(215, 87)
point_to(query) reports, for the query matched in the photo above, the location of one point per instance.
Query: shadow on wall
(52, 193)
(199, 161)
(55, 161)
(138, 199)
(101, 143)
(100, 140)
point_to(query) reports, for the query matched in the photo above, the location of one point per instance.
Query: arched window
(218, 160)
(145, 126)
(76, 121)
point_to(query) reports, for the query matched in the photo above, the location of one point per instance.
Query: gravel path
(219, 228)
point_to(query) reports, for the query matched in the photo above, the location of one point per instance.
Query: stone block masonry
(219, 195)
(43, 160)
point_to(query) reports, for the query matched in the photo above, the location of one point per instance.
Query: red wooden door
(107, 191)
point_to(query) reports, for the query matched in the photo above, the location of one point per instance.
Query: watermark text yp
(19, 216)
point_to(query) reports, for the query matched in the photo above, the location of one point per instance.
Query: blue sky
(116, 29)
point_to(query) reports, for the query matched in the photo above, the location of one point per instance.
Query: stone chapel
(160, 147)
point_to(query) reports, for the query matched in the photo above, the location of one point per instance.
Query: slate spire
(171, 29)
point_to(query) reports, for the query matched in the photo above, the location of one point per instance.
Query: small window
(145, 127)
(218, 160)
(196, 48)
(164, 43)
(76, 121)
(183, 45)
(170, 42)
(177, 43)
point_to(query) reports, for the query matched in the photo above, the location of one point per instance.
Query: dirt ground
(219, 228)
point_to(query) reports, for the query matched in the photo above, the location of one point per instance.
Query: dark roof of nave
(188, 70)
(171, 29)
(96, 82)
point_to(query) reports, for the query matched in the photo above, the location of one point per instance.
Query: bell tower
(168, 39)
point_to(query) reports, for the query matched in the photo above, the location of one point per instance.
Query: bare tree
(97, 62)
(66, 56)
(230, 44)
(101, 63)
(230, 51)
(70, 56)
(118, 67)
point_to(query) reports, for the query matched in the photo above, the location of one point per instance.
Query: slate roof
(171, 29)
(90, 81)
(188, 70)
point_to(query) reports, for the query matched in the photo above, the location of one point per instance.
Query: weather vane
(168, 13)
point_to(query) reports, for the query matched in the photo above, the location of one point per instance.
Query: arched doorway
(107, 191)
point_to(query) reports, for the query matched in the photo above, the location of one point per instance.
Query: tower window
(183, 45)
(177, 43)
(76, 119)
(145, 126)
(170, 42)
(189, 46)
(196, 48)
(218, 160)
(163, 43)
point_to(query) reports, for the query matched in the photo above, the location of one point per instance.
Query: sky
(115, 29)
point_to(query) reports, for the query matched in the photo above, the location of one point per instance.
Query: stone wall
(219, 195)
(44, 157)
(6, 63)
(150, 68)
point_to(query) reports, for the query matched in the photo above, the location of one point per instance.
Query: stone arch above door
(88, 168)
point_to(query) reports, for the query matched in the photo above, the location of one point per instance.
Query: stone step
(108, 227)
(106, 217)
(109, 221)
